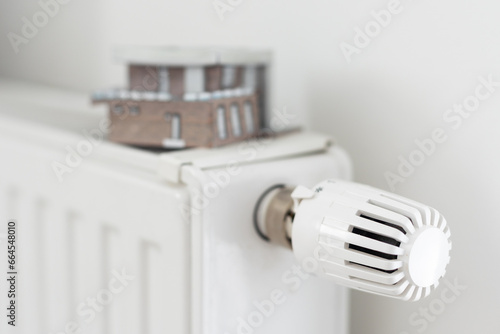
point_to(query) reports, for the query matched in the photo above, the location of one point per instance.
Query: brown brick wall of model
(150, 123)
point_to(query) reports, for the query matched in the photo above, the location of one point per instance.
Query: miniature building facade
(180, 98)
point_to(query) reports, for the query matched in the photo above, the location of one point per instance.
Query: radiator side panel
(245, 284)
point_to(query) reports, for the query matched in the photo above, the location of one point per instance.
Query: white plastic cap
(369, 239)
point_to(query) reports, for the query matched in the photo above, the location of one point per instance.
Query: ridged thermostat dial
(365, 238)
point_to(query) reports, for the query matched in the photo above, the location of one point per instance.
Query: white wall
(396, 90)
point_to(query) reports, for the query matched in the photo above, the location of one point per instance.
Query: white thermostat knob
(360, 237)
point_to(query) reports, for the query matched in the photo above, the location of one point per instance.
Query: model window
(250, 77)
(249, 117)
(118, 109)
(221, 122)
(235, 120)
(134, 110)
(176, 126)
(228, 76)
(194, 79)
(163, 84)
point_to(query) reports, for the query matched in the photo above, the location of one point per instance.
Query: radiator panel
(76, 234)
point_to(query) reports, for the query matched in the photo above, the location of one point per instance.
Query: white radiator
(178, 224)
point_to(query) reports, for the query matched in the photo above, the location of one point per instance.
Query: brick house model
(181, 97)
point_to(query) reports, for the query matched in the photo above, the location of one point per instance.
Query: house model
(185, 97)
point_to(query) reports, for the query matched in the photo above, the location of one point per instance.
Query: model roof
(189, 56)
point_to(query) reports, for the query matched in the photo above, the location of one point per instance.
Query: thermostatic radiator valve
(358, 236)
